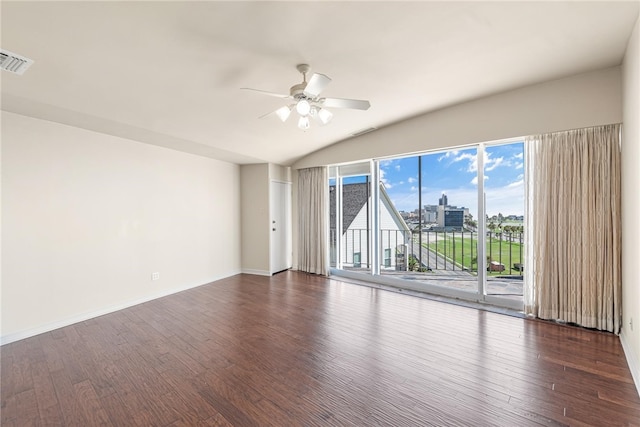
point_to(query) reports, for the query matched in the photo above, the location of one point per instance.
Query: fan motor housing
(297, 91)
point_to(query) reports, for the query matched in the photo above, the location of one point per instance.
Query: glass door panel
(428, 211)
(504, 220)
(355, 233)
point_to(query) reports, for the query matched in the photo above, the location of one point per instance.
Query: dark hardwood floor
(297, 349)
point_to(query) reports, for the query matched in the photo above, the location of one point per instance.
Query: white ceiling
(169, 73)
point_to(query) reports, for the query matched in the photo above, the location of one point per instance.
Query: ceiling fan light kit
(307, 101)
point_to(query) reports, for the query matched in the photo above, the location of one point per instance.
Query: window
(428, 219)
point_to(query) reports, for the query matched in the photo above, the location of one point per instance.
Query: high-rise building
(449, 217)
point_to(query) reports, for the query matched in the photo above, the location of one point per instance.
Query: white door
(280, 210)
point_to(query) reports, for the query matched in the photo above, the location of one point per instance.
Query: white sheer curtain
(573, 267)
(313, 196)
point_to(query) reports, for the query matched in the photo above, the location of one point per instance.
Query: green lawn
(463, 250)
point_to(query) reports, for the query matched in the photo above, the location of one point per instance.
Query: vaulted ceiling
(170, 73)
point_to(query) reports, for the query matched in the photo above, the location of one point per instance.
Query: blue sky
(454, 172)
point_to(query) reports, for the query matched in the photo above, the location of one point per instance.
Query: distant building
(450, 217)
(430, 214)
(453, 218)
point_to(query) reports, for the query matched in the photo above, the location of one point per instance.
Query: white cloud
(448, 154)
(411, 180)
(384, 180)
(474, 181)
(491, 164)
(472, 158)
(397, 167)
(455, 156)
(508, 200)
(515, 184)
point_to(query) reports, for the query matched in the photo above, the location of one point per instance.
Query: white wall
(279, 173)
(631, 203)
(580, 101)
(87, 218)
(255, 219)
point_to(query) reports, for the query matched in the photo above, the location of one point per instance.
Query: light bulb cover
(283, 113)
(324, 116)
(303, 123)
(303, 107)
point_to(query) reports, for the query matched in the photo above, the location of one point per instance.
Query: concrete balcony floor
(504, 285)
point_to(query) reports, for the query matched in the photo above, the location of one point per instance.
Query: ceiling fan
(307, 101)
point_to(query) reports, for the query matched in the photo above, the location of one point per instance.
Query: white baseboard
(17, 336)
(632, 359)
(256, 272)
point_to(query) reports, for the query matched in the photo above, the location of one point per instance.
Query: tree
(470, 223)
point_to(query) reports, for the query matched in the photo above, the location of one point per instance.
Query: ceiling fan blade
(316, 84)
(356, 104)
(264, 92)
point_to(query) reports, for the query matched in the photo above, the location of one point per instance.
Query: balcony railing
(432, 251)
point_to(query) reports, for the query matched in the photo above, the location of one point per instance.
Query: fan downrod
(296, 91)
(303, 68)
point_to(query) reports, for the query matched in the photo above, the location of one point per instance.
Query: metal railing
(430, 251)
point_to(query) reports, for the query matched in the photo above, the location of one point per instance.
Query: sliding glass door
(447, 222)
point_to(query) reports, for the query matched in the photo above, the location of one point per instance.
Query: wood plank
(90, 404)
(299, 349)
(67, 399)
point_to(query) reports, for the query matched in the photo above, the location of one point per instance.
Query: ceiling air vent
(14, 63)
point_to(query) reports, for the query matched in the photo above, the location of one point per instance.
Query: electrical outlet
(155, 276)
